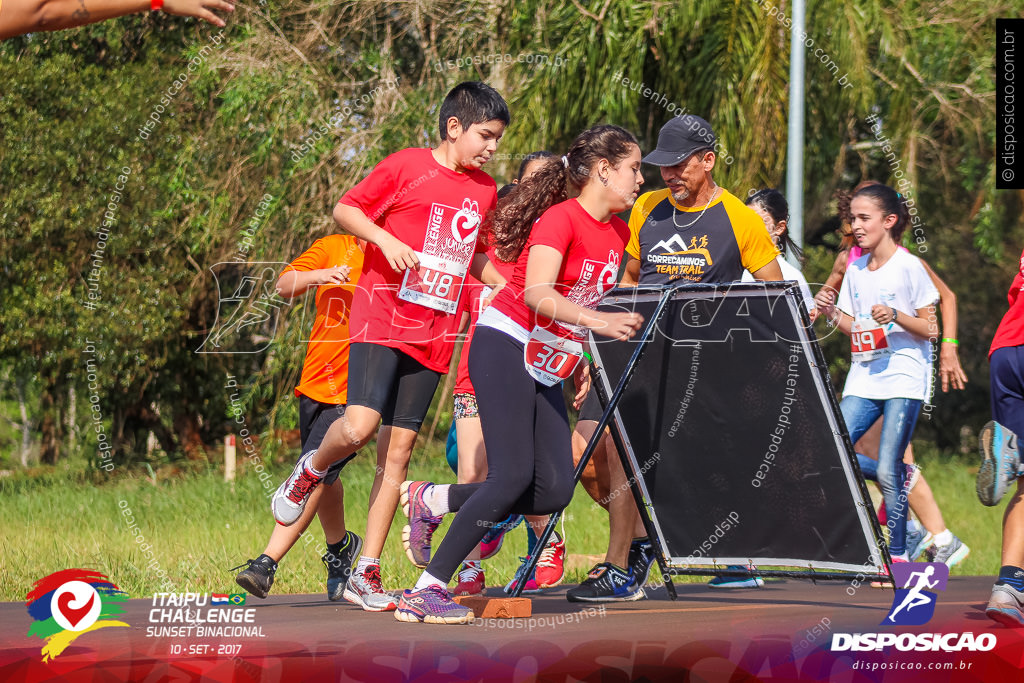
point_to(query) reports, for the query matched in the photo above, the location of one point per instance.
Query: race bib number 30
(549, 358)
(436, 284)
(868, 341)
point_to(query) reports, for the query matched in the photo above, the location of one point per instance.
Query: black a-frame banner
(732, 433)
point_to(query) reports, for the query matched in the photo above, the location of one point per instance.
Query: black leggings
(529, 452)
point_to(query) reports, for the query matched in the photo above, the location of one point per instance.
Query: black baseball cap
(679, 138)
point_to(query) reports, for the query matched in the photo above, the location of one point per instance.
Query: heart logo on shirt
(466, 221)
(606, 280)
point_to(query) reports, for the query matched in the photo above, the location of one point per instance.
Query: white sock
(944, 537)
(319, 473)
(468, 564)
(436, 498)
(901, 556)
(365, 562)
(427, 580)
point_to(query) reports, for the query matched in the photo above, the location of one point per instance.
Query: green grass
(199, 527)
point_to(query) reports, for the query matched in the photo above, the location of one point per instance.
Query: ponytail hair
(775, 205)
(890, 202)
(516, 213)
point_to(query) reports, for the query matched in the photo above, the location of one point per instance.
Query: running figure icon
(914, 597)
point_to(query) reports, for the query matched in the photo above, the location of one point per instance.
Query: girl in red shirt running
(525, 344)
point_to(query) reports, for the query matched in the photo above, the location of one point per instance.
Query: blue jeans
(899, 418)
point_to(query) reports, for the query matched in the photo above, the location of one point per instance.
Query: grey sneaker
(1006, 606)
(1000, 462)
(339, 565)
(291, 497)
(952, 554)
(366, 591)
(918, 539)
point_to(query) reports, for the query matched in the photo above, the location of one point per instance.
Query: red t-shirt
(477, 290)
(590, 265)
(435, 211)
(1011, 329)
(325, 370)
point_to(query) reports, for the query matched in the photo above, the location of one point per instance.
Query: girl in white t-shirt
(887, 307)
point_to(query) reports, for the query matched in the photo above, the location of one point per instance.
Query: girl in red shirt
(525, 344)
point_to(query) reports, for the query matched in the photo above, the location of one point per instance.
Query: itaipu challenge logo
(71, 603)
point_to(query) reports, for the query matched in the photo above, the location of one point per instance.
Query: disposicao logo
(70, 603)
(914, 603)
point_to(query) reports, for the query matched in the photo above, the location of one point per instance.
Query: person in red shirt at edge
(420, 212)
(1001, 466)
(525, 344)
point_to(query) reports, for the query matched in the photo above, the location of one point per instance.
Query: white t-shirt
(903, 368)
(789, 272)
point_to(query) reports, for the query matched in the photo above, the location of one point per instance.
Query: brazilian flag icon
(237, 599)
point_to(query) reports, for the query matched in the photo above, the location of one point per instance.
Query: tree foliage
(299, 99)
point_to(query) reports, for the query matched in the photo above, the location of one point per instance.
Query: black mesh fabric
(730, 387)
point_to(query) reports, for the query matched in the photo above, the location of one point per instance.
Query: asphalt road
(782, 632)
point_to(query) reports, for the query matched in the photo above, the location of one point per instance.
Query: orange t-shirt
(325, 370)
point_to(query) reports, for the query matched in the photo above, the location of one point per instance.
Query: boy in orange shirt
(332, 265)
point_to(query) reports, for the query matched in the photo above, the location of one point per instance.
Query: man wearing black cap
(693, 230)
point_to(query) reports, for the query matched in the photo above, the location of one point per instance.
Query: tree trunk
(186, 426)
(72, 417)
(26, 426)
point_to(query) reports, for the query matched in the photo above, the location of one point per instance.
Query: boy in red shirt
(419, 211)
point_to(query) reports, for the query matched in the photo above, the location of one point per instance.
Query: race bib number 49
(549, 358)
(436, 284)
(868, 341)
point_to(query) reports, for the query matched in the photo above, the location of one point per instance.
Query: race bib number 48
(436, 284)
(868, 341)
(549, 358)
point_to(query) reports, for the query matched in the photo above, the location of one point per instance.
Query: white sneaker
(290, 499)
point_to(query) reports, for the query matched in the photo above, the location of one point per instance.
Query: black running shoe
(258, 575)
(641, 559)
(606, 583)
(339, 565)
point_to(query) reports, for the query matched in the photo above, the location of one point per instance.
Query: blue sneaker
(531, 583)
(607, 583)
(1000, 462)
(736, 581)
(432, 605)
(641, 559)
